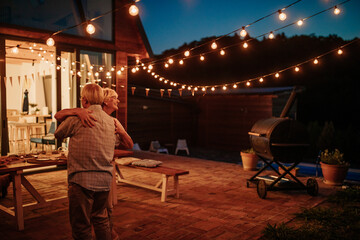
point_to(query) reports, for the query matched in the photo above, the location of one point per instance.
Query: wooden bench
(162, 185)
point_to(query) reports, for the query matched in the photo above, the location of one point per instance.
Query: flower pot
(249, 161)
(334, 174)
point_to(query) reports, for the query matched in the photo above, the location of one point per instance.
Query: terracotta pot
(249, 161)
(334, 174)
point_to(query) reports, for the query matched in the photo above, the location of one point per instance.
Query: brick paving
(214, 203)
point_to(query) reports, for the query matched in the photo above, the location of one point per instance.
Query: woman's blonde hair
(93, 93)
(109, 93)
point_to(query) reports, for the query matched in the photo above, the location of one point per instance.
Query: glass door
(68, 70)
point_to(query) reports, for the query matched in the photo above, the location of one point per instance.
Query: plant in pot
(249, 159)
(333, 167)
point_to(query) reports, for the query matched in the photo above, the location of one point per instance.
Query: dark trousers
(86, 209)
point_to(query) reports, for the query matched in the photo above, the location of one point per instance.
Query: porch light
(133, 10)
(282, 15)
(90, 28)
(50, 42)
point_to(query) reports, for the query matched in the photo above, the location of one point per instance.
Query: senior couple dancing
(93, 136)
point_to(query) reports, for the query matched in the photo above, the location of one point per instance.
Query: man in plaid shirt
(91, 151)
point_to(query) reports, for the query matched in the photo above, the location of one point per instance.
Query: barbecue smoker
(280, 140)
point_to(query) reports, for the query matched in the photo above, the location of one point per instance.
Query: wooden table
(17, 173)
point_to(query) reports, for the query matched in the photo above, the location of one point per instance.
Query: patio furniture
(182, 145)
(156, 147)
(162, 185)
(48, 139)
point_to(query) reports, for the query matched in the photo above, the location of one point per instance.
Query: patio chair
(156, 147)
(182, 145)
(136, 147)
(48, 139)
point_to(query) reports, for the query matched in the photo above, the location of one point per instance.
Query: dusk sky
(171, 23)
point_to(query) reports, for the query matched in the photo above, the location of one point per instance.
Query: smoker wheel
(261, 189)
(312, 187)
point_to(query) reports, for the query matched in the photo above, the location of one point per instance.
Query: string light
(181, 62)
(277, 75)
(271, 35)
(222, 52)
(336, 10)
(212, 88)
(224, 87)
(133, 10)
(245, 45)
(166, 65)
(202, 58)
(297, 69)
(90, 29)
(15, 49)
(187, 53)
(243, 32)
(248, 83)
(316, 61)
(50, 42)
(171, 61)
(214, 45)
(282, 15)
(340, 51)
(261, 80)
(234, 86)
(300, 22)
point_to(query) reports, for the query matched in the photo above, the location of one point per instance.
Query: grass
(340, 219)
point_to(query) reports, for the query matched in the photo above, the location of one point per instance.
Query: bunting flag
(192, 91)
(162, 92)
(44, 73)
(33, 78)
(147, 91)
(180, 92)
(19, 80)
(133, 90)
(10, 80)
(4, 80)
(25, 80)
(169, 92)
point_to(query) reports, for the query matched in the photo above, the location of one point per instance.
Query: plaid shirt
(91, 150)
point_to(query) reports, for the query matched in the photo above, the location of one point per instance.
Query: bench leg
(176, 186)
(19, 211)
(164, 188)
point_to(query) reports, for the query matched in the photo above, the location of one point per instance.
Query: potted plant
(249, 159)
(37, 111)
(333, 167)
(33, 107)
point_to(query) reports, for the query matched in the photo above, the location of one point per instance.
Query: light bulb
(202, 58)
(222, 52)
(245, 45)
(100, 68)
(189, 88)
(214, 45)
(15, 50)
(108, 74)
(133, 70)
(133, 10)
(90, 28)
(300, 22)
(297, 69)
(261, 80)
(171, 61)
(277, 75)
(96, 74)
(196, 88)
(243, 32)
(50, 42)
(234, 86)
(152, 73)
(183, 86)
(340, 51)
(181, 62)
(187, 53)
(166, 65)
(282, 16)
(150, 67)
(336, 10)
(89, 73)
(271, 35)
(203, 89)
(316, 61)
(248, 83)
(224, 87)
(213, 89)
(112, 69)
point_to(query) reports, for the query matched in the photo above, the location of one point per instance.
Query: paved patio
(214, 204)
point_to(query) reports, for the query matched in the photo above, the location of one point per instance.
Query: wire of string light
(261, 78)
(187, 54)
(158, 61)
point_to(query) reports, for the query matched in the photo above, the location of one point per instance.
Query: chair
(48, 139)
(182, 145)
(136, 147)
(156, 147)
